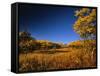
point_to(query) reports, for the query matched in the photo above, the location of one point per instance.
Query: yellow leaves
(82, 11)
(85, 10)
(77, 13)
(93, 12)
(89, 30)
(86, 17)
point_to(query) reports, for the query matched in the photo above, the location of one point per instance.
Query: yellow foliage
(85, 24)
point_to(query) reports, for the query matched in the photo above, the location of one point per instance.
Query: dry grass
(65, 58)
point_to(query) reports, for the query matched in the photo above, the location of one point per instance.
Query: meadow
(69, 57)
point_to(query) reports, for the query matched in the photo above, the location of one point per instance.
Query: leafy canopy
(85, 24)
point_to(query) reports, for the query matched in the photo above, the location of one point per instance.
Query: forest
(44, 55)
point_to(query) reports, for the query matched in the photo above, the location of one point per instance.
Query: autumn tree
(26, 42)
(25, 36)
(85, 24)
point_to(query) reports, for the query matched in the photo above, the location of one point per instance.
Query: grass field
(54, 59)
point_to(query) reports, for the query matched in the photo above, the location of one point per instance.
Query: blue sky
(48, 23)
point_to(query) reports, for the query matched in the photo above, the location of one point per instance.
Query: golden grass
(65, 58)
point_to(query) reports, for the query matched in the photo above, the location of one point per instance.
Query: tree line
(28, 43)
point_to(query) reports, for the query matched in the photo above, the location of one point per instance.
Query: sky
(48, 22)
